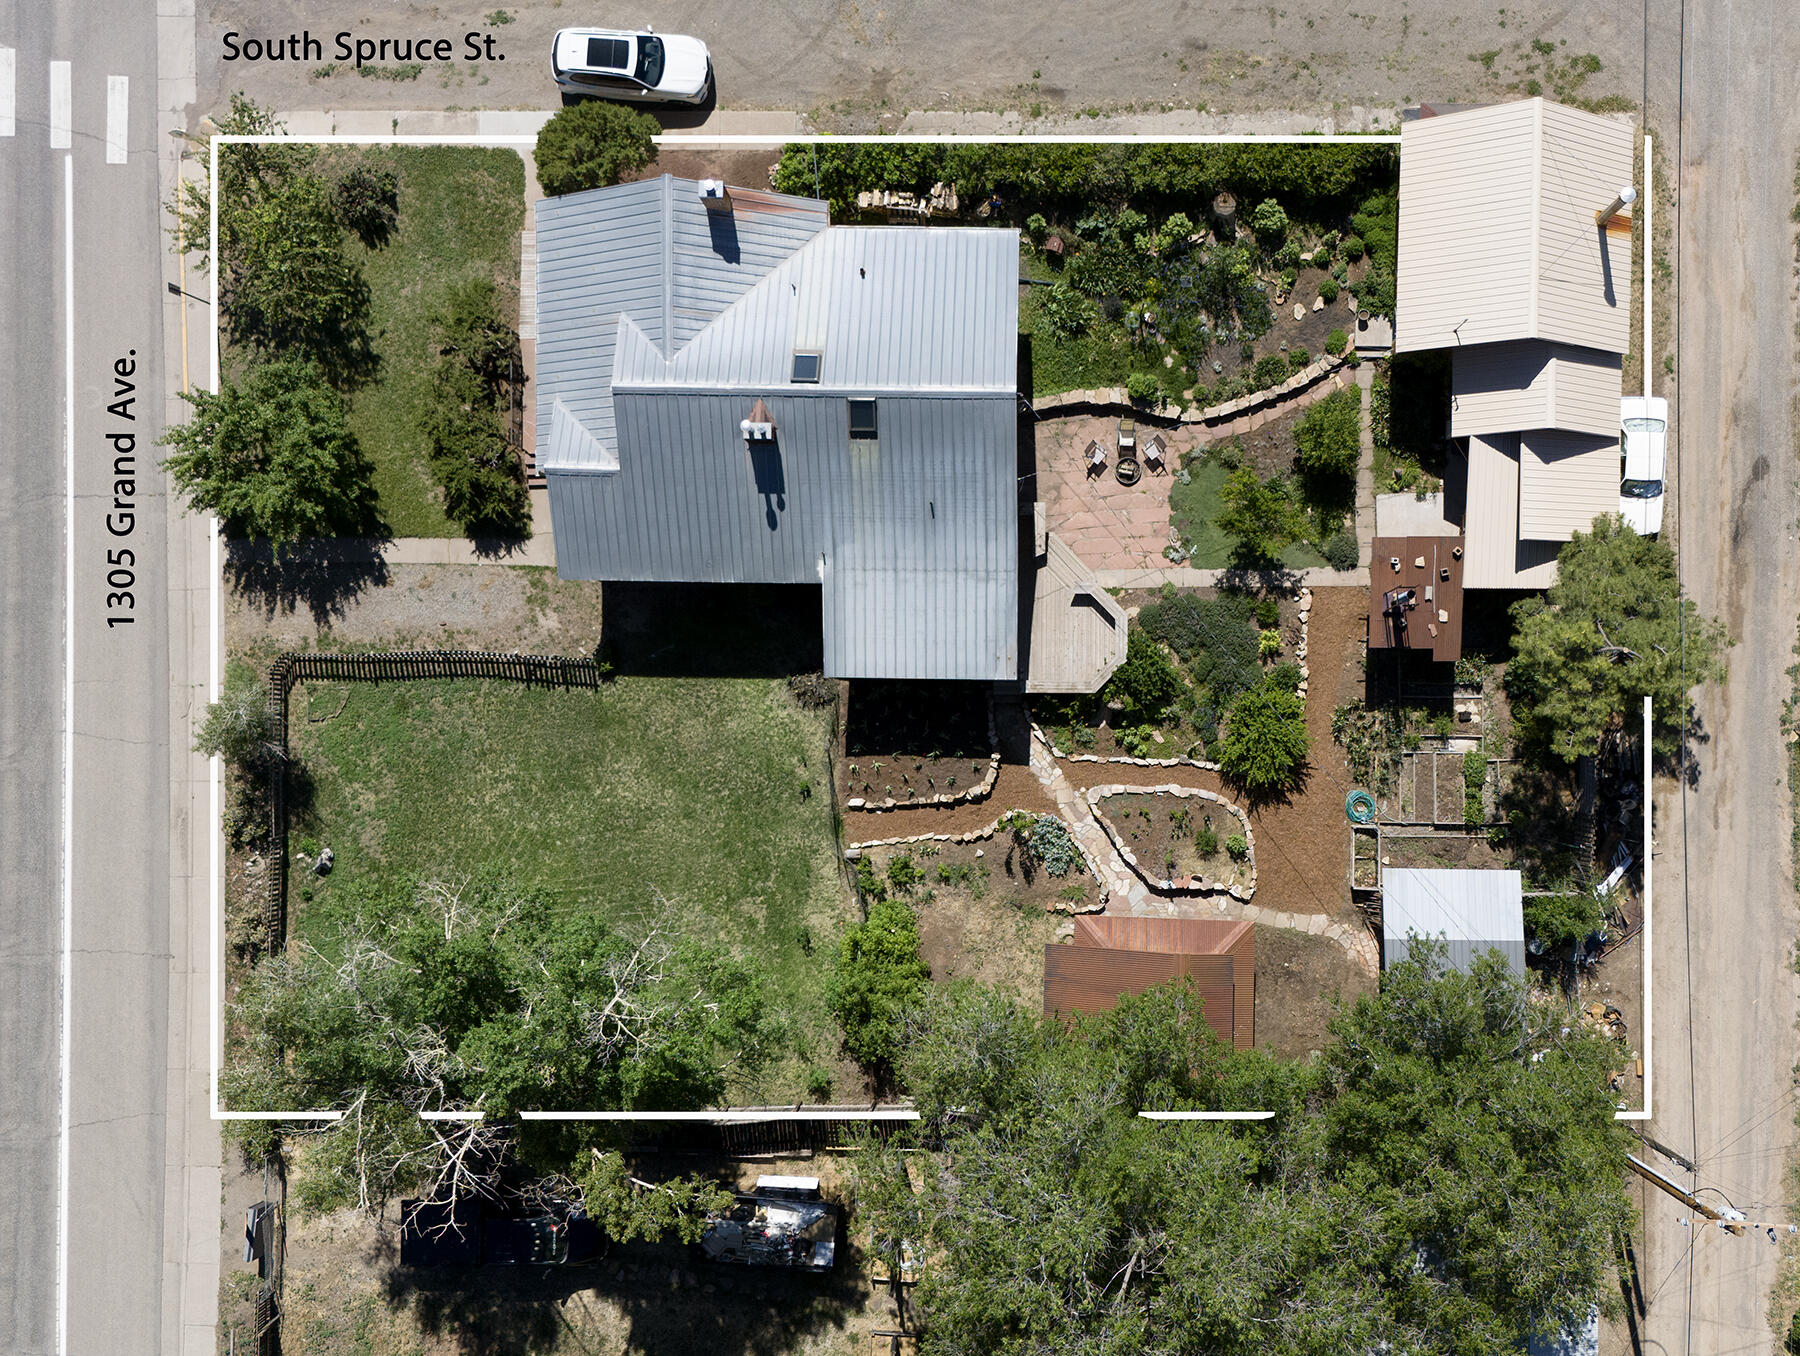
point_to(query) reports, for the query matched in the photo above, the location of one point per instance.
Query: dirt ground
(991, 925)
(1300, 980)
(858, 68)
(1159, 830)
(345, 1295)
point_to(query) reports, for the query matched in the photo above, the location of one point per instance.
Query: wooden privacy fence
(387, 666)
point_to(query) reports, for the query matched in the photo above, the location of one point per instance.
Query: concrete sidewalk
(522, 124)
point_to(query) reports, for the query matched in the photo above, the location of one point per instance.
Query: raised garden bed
(916, 744)
(1161, 835)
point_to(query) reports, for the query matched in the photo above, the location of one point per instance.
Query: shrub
(1329, 435)
(1285, 675)
(1337, 341)
(1045, 841)
(592, 145)
(903, 873)
(1298, 358)
(1271, 370)
(1141, 388)
(1340, 551)
(1213, 639)
(1037, 230)
(818, 1083)
(1268, 645)
(1067, 314)
(236, 727)
(1328, 293)
(481, 475)
(1261, 514)
(1238, 846)
(1268, 612)
(1288, 278)
(368, 203)
(879, 973)
(1353, 248)
(1265, 744)
(1146, 682)
(1288, 256)
(1206, 842)
(1558, 920)
(1269, 222)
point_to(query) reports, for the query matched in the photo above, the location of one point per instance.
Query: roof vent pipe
(1627, 196)
(715, 195)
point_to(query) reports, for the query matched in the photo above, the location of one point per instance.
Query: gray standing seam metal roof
(1471, 911)
(653, 252)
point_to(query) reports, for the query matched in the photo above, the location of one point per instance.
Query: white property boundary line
(514, 140)
(67, 997)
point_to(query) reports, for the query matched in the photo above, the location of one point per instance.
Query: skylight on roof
(806, 367)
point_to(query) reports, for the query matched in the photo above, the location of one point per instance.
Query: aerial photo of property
(803, 682)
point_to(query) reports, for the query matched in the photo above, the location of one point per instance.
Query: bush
(1328, 293)
(1353, 248)
(1288, 256)
(1067, 314)
(1329, 435)
(1268, 612)
(1340, 551)
(1269, 222)
(1146, 682)
(1474, 778)
(1260, 514)
(236, 727)
(1271, 370)
(1558, 920)
(1285, 675)
(1238, 846)
(1288, 278)
(903, 873)
(1206, 842)
(1337, 341)
(592, 145)
(879, 973)
(1265, 744)
(480, 472)
(1268, 645)
(1141, 388)
(1037, 230)
(1298, 358)
(1045, 841)
(1212, 637)
(368, 203)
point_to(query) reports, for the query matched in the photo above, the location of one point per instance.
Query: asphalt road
(1726, 995)
(117, 979)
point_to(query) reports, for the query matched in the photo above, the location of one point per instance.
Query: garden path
(1365, 467)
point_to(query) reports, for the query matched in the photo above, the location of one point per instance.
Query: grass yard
(709, 794)
(461, 211)
(1193, 508)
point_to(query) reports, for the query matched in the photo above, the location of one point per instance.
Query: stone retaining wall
(1109, 397)
(979, 791)
(987, 831)
(1189, 885)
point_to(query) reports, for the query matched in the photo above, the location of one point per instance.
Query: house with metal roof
(1470, 912)
(732, 390)
(1515, 255)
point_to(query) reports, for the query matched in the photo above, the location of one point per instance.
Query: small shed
(1471, 912)
(1111, 957)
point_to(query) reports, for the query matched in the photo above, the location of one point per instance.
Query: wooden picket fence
(387, 666)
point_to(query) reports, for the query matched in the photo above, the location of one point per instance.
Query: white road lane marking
(118, 111)
(68, 741)
(9, 70)
(61, 121)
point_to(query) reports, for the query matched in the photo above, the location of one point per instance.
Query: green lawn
(707, 793)
(1192, 508)
(461, 211)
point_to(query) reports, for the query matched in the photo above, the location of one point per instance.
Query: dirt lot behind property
(1300, 980)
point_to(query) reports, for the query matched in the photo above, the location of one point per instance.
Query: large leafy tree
(1329, 435)
(478, 357)
(1266, 743)
(592, 145)
(288, 287)
(483, 998)
(879, 973)
(1446, 1179)
(1261, 514)
(273, 456)
(1611, 631)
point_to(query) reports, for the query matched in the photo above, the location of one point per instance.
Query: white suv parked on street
(1644, 421)
(645, 67)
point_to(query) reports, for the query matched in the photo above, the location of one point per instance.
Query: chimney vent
(1627, 196)
(760, 426)
(715, 195)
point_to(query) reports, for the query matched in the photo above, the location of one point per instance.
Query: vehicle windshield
(650, 61)
(1641, 489)
(1643, 426)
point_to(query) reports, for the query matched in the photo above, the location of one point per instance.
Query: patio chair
(1127, 434)
(1094, 459)
(1155, 455)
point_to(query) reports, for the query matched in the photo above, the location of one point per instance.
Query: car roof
(1643, 407)
(572, 45)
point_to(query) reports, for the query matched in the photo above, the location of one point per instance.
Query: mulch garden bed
(913, 742)
(1162, 832)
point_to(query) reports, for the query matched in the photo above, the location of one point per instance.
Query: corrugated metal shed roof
(652, 252)
(1076, 632)
(1497, 232)
(1531, 383)
(1093, 979)
(1566, 480)
(1494, 556)
(887, 308)
(1471, 911)
(1187, 936)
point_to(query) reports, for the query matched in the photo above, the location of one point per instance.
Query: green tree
(1270, 222)
(1558, 920)
(1067, 314)
(1265, 745)
(592, 145)
(1611, 631)
(247, 170)
(628, 1208)
(236, 727)
(1147, 681)
(273, 456)
(1261, 514)
(879, 973)
(480, 471)
(288, 286)
(1329, 435)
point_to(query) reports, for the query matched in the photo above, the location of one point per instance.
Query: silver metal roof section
(1529, 383)
(653, 252)
(1498, 232)
(1472, 912)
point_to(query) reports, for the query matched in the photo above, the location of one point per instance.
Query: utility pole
(1727, 1220)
